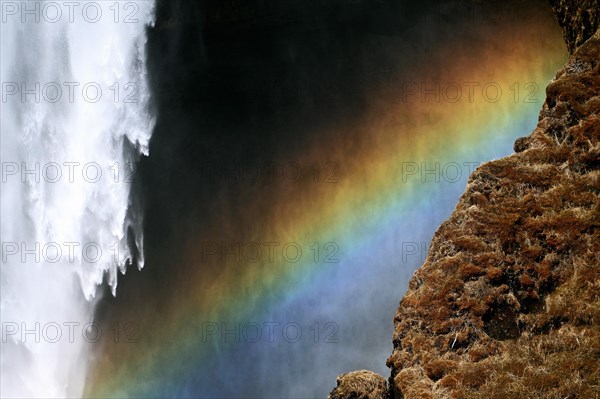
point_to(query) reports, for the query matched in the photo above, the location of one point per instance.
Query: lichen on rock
(507, 304)
(362, 384)
(578, 19)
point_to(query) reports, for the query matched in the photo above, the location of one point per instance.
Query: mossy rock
(362, 384)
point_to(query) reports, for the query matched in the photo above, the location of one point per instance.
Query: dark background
(251, 82)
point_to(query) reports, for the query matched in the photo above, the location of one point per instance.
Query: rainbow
(367, 197)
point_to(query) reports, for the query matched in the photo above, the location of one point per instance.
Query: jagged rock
(362, 384)
(579, 19)
(507, 304)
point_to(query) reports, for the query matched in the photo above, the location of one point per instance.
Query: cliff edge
(578, 20)
(507, 304)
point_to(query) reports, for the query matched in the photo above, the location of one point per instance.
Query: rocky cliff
(578, 20)
(507, 304)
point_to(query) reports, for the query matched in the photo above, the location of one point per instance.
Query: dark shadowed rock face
(362, 384)
(507, 304)
(578, 19)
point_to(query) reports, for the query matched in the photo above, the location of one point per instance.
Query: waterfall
(74, 122)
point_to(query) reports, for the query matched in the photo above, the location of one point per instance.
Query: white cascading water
(74, 119)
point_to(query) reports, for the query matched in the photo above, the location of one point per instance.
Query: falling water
(74, 121)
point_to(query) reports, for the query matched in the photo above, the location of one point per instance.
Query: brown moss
(438, 368)
(470, 270)
(507, 304)
(362, 384)
(494, 273)
(412, 383)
